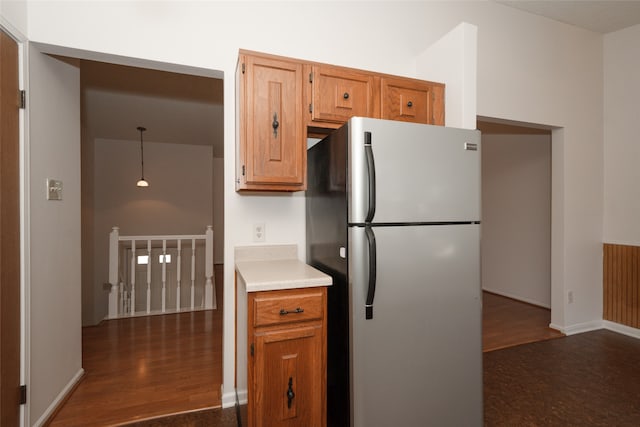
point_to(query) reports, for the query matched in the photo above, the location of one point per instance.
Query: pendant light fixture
(142, 182)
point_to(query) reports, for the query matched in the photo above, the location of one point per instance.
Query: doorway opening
(516, 233)
(148, 366)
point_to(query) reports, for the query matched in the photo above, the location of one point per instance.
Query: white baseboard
(622, 329)
(517, 297)
(59, 398)
(229, 399)
(578, 328)
(596, 325)
(242, 397)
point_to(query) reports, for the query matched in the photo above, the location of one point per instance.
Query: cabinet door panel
(288, 377)
(412, 101)
(338, 94)
(274, 151)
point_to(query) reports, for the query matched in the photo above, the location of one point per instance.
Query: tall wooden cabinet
(271, 150)
(286, 373)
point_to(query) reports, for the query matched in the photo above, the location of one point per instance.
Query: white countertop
(275, 267)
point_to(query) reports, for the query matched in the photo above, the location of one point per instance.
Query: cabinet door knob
(346, 95)
(290, 393)
(409, 104)
(275, 125)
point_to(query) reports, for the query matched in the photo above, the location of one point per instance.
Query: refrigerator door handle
(371, 177)
(371, 290)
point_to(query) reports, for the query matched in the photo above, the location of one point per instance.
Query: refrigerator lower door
(418, 360)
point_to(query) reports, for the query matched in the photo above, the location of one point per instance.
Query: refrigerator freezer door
(418, 361)
(423, 173)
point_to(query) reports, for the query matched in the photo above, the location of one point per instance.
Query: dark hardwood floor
(590, 379)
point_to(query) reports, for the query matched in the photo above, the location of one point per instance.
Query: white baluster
(113, 271)
(121, 291)
(193, 272)
(133, 277)
(209, 291)
(179, 262)
(164, 275)
(149, 276)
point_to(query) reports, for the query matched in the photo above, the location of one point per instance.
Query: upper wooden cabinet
(281, 101)
(272, 151)
(337, 94)
(412, 100)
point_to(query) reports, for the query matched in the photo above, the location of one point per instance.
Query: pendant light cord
(141, 129)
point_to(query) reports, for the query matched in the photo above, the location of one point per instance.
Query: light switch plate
(54, 189)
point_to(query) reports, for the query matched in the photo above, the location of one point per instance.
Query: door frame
(23, 154)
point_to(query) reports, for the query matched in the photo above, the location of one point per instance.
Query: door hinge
(23, 394)
(252, 349)
(23, 99)
(311, 108)
(310, 77)
(243, 69)
(243, 170)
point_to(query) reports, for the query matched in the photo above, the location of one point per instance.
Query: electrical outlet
(259, 232)
(570, 297)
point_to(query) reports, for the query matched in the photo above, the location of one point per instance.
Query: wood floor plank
(507, 322)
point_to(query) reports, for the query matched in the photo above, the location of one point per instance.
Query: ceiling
(175, 108)
(600, 16)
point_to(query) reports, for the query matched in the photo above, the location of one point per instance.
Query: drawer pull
(284, 312)
(346, 95)
(409, 104)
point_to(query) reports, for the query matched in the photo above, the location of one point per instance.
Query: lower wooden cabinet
(287, 358)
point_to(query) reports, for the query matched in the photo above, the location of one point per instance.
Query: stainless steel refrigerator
(393, 214)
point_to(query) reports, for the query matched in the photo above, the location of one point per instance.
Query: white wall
(13, 14)
(622, 147)
(54, 226)
(218, 211)
(516, 216)
(452, 60)
(177, 201)
(530, 69)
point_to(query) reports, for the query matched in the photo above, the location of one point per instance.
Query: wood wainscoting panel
(621, 284)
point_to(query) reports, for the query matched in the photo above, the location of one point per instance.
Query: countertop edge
(302, 276)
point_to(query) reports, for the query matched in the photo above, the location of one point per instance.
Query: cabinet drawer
(411, 101)
(273, 308)
(338, 94)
